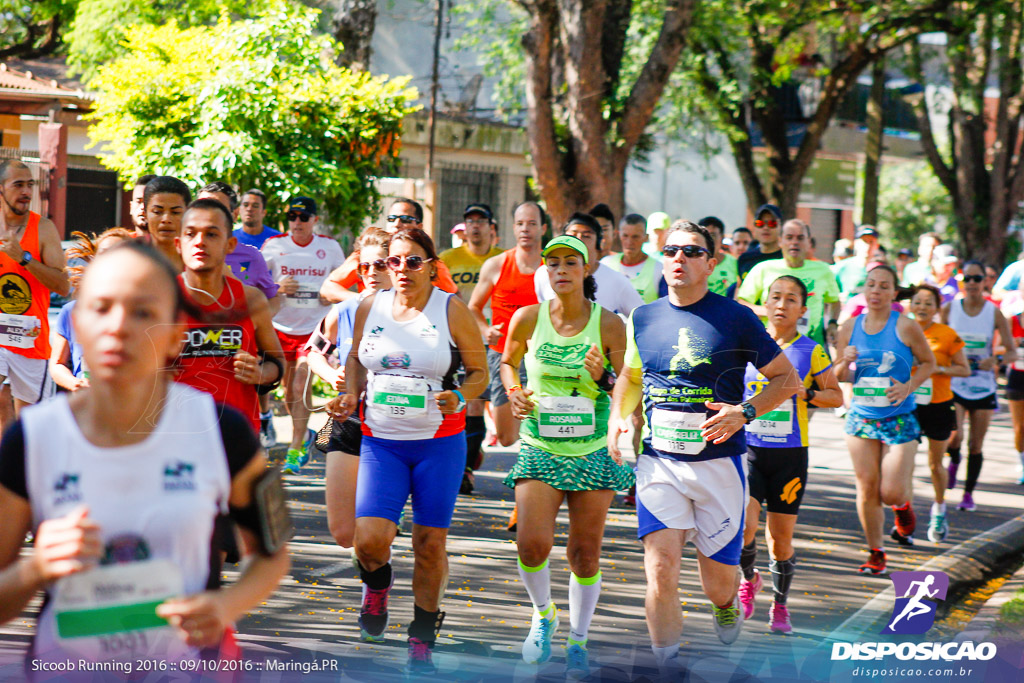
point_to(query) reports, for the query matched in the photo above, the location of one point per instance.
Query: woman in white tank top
(121, 482)
(407, 345)
(976, 320)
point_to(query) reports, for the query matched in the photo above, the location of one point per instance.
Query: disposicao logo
(914, 612)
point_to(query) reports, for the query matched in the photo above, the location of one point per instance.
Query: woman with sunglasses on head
(66, 367)
(334, 341)
(976, 320)
(408, 343)
(884, 345)
(299, 261)
(568, 344)
(121, 482)
(935, 411)
(777, 449)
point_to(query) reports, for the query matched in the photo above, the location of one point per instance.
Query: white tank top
(155, 502)
(408, 363)
(977, 332)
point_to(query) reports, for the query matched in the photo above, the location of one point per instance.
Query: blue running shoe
(577, 665)
(292, 461)
(307, 448)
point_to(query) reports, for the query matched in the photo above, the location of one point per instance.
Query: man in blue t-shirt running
(686, 354)
(252, 211)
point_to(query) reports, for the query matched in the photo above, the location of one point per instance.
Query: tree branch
(924, 124)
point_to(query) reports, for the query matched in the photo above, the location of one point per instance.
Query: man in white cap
(657, 230)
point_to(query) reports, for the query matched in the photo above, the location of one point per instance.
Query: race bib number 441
(562, 417)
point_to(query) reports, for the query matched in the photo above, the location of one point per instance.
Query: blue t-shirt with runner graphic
(689, 355)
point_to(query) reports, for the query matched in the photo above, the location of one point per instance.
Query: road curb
(965, 564)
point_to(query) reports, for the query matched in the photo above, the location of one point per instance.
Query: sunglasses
(762, 224)
(689, 250)
(411, 262)
(299, 216)
(974, 278)
(378, 265)
(402, 219)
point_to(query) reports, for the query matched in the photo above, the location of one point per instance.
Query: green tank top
(571, 416)
(645, 282)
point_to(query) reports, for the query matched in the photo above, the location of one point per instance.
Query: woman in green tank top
(568, 344)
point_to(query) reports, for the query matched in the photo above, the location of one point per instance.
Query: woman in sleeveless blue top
(876, 351)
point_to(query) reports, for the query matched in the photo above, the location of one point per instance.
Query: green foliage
(100, 29)
(24, 23)
(912, 201)
(256, 102)
(493, 31)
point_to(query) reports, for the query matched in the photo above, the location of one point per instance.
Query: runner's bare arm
(343, 405)
(828, 394)
(1003, 327)
(911, 334)
(521, 328)
(333, 289)
(842, 364)
(266, 339)
(318, 361)
(470, 346)
(958, 366)
(60, 356)
(758, 309)
(613, 334)
(63, 546)
(625, 398)
(489, 272)
(49, 268)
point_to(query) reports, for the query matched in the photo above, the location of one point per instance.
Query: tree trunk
(581, 140)
(353, 24)
(874, 144)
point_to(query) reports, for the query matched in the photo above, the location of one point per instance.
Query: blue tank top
(879, 357)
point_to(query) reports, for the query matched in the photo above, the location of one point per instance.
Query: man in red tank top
(31, 266)
(229, 325)
(506, 281)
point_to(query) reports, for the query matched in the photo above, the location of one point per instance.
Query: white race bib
(673, 431)
(399, 396)
(778, 422)
(562, 417)
(19, 331)
(109, 613)
(870, 391)
(923, 394)
(304, 297)
(975, 345)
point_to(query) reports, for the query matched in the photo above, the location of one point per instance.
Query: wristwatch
(749, 413)
(810, 394)
(26, 256)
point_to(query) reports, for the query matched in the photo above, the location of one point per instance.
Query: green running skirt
(594, 472)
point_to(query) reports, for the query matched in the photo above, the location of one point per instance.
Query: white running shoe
(728, 621)
(537, 646)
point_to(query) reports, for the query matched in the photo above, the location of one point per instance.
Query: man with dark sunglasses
(404, 213)
(686, 355)
(767, 223)
(300, 262)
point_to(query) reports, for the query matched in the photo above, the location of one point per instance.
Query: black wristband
(811, 393)
(262, 389)
(607, 381)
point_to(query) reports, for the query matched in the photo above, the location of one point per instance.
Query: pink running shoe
(778, 618)
(748, 591)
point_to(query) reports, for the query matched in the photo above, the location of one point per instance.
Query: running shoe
(537, 646)
(748, 591)
(967, 503)
(268, 435)
(938, 527)
(307, 448)
(875, 564)
(577, 664)
(728, 621)
(906, 520)
(292, 461)
(468, 480)
(421, 661)
(951, 470)
(778, 618)
(373, 618)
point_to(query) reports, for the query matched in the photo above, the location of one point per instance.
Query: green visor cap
(570, 242)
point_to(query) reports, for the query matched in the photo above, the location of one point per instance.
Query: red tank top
(512, 291)
(23, 297)
(212, 339)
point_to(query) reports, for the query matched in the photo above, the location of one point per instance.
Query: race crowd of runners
(712, 348)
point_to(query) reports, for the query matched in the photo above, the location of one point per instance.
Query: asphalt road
(313, 615)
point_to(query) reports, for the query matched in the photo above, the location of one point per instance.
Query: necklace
(230, 306)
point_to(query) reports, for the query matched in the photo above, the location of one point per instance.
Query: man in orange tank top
(506, 281)
(31, 266)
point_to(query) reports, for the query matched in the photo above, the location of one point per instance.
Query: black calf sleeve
(748, 560)
(782, 577)
(974, 461)
(378, 579)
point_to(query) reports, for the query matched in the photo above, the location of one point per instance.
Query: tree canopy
(256, 102)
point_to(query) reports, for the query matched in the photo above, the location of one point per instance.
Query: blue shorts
(429, 469)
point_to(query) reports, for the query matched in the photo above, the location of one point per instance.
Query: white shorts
(707, 499)
(29, 377)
